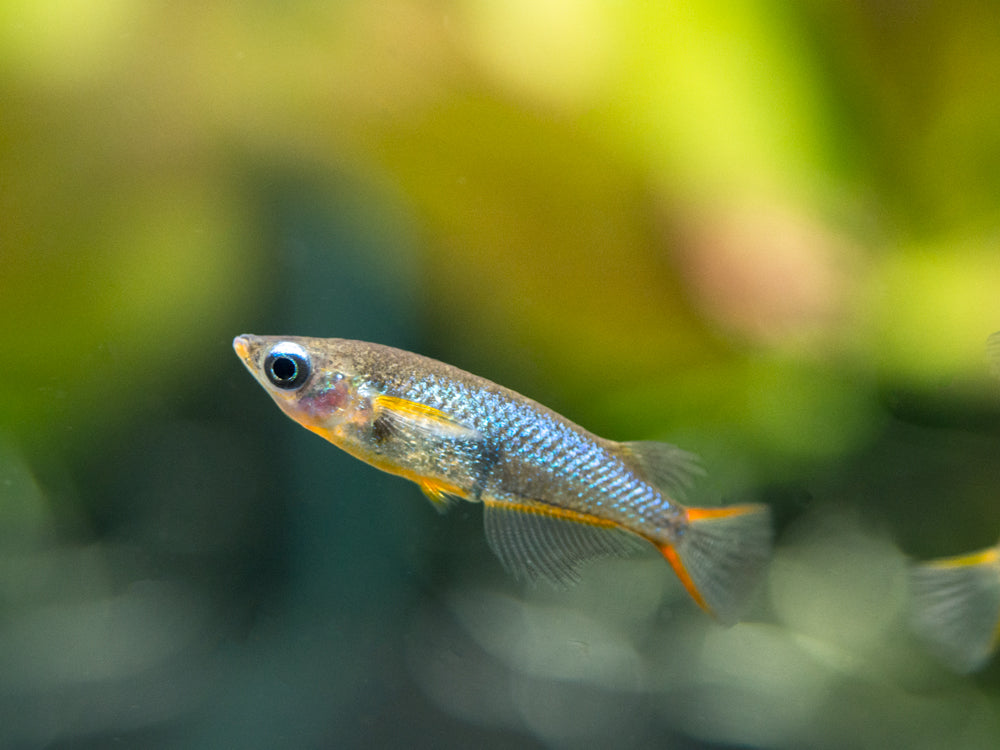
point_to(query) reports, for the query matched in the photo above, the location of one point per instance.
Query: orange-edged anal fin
(719, 556)
(411, 419)
(955, 607)
(534, 540)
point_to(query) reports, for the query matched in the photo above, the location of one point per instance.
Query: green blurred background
(767, 232)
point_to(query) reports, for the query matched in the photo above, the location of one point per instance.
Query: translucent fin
(993, 353)
(663, 465)
(440, 495)
(534, 540)
(403, 417)
(720, 556)
(955, 607)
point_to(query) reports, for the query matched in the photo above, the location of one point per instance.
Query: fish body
(555, 495)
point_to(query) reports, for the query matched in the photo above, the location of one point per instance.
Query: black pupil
(285, 368)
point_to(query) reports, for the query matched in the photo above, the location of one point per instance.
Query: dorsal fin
(534, 540)
(661, 464)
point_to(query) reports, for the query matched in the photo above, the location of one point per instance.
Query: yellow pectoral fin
(401, 415)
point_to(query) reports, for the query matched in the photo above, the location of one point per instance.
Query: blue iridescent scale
(537, 455)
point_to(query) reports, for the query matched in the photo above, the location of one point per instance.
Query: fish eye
(287, 366)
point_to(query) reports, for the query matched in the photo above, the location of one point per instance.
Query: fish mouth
(242, 346)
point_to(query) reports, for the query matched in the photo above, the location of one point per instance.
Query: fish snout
(242, 346)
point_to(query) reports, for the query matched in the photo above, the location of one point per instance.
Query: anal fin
(534, 540)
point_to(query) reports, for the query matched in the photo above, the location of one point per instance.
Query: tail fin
(955, 607)
(720, 556)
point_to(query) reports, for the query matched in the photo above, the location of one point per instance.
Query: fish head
(312, 380)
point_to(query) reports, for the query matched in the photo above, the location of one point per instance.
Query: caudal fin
(955, 607)
(721, 555)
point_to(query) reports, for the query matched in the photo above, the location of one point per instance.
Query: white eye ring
(289, 348)
(287, 365)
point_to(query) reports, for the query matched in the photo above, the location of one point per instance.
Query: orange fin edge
(554, 511)
(955, 607)
(720, 555)
(675, 562)
(987, 556)
(727, 511)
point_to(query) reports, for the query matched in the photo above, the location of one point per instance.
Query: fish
(955, 601)
(555, 496)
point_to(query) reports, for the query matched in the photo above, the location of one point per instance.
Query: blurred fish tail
(955, 607)
(720, 556)
(993, 353)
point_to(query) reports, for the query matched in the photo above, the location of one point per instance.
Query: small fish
(554, 495)
(956, 607)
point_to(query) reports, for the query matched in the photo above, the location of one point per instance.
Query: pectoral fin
(534, 540)
(402, 417)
